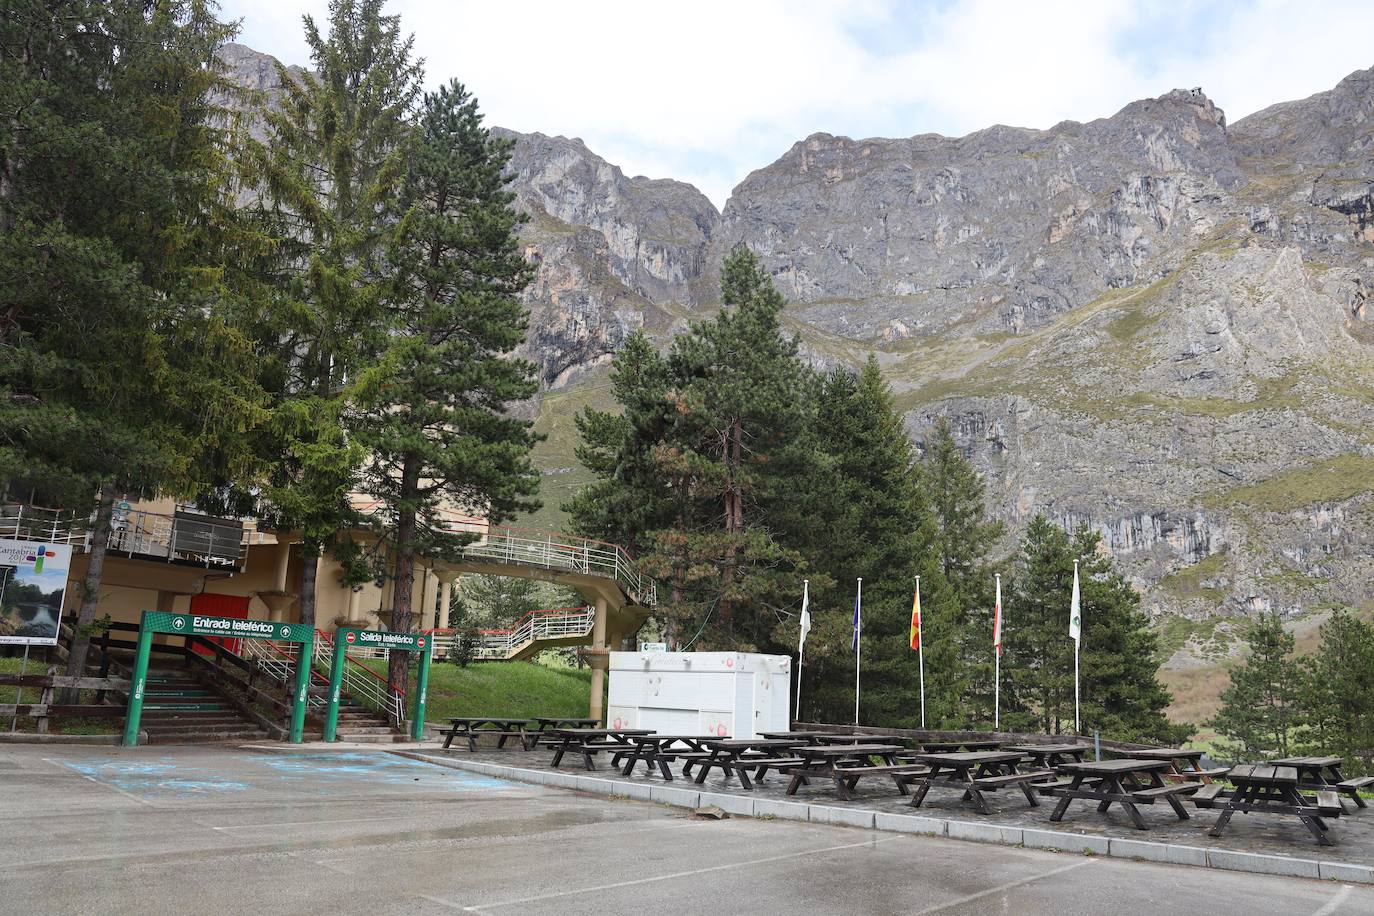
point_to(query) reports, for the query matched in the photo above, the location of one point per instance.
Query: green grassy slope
(502, 689)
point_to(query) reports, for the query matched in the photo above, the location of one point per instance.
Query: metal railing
(362, 683)
(275, 661)
(183, 537)
(545, 549)
(19, 522)
(180, 538)
(557, 623)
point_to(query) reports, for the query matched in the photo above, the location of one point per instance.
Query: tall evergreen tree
(1121, 695)
(433, 411)
(330, 174)
(740, 429)
(965, 537)
(1338, 689)
(878, 526)
(124, 369)
(1260, 706)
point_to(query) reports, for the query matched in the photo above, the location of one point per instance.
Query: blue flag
(858, 615)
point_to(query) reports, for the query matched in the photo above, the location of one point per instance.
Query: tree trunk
(310, 561)
(734, 519)
(90, 589)
(398, 664)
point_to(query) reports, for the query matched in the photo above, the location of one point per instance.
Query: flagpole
(801, 647)
(1077, 623)
(858, 644)
(997, 663)
(921, 652)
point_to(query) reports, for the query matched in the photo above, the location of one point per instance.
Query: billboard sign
(33, 587)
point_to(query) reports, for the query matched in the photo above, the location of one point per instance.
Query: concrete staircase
(179, 709)
(359, 724)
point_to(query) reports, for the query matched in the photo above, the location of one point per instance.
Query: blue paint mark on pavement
(374, 768)
(154, 777)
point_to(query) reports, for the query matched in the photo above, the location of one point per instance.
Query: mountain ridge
(1155, 323)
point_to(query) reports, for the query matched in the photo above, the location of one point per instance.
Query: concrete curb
(972, 831)
(96, 740)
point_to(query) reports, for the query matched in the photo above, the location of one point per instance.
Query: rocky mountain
(1156, 323)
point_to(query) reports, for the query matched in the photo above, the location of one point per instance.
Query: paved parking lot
(216, 830)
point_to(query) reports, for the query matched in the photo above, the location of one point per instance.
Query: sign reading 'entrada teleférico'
(233, 627)
(380, 639)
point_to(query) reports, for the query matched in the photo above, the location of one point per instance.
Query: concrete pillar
(353, 595)
(283, 562)
(599, 660)
(445, 599)
(427, 600)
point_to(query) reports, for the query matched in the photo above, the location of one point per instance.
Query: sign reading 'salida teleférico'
(346, 639)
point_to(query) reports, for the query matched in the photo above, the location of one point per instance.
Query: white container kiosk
(738, 694)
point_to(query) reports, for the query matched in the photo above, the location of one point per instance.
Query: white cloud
(706, 92)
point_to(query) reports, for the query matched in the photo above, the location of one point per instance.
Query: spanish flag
(916, 620)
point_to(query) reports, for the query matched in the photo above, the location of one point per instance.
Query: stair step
(373, 739)
(372, 730)
(220, 737)
(214, 706)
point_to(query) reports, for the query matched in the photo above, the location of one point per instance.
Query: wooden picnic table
(1317, 774)
(659, 750)
(543, 725)
(949, 747)
(1274, 790)
(810, 737)
(1051, 755)
(976, 772)
(591, 741)
(470, 728)
(740, 755)
(861, 739)
(1123, 782)
(846, 764)
(1185, 763)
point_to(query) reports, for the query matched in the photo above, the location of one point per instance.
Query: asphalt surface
(225, 830)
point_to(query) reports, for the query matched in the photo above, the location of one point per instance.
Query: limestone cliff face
(1155, 323)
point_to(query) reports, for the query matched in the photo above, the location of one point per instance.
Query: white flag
(1075, 618)
(805, 615)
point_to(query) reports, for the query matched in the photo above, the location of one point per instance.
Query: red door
(220, 606)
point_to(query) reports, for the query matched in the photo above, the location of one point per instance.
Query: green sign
(381, 639)
(229, 627)
(346, 639)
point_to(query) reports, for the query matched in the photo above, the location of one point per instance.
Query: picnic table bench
(738, 756)
(861, 739)
(976, 772)
(1123, 782)
(1323, 774)
(846, 764)
(1274, 790)
(660, 750)
(471, 728)
(1051, 755)
(587, 742)
(543, 725)
(949, 747)
(1185, 763)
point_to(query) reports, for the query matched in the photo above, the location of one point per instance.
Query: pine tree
(1037, 663)
(1260, 706)
(329, 176)
(965, 536)
(1338, 689)
(877, 525)
(125, 369)
(433, 411)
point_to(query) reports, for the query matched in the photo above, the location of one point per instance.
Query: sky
(707, 91)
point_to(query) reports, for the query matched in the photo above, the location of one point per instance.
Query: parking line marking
(1003, 887)
(69, 769)
(728, 866)
(1335, 902)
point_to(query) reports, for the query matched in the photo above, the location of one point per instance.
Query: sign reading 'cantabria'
(199, 625)
(380, 639)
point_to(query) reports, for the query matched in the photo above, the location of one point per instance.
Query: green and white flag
(1075, 618)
